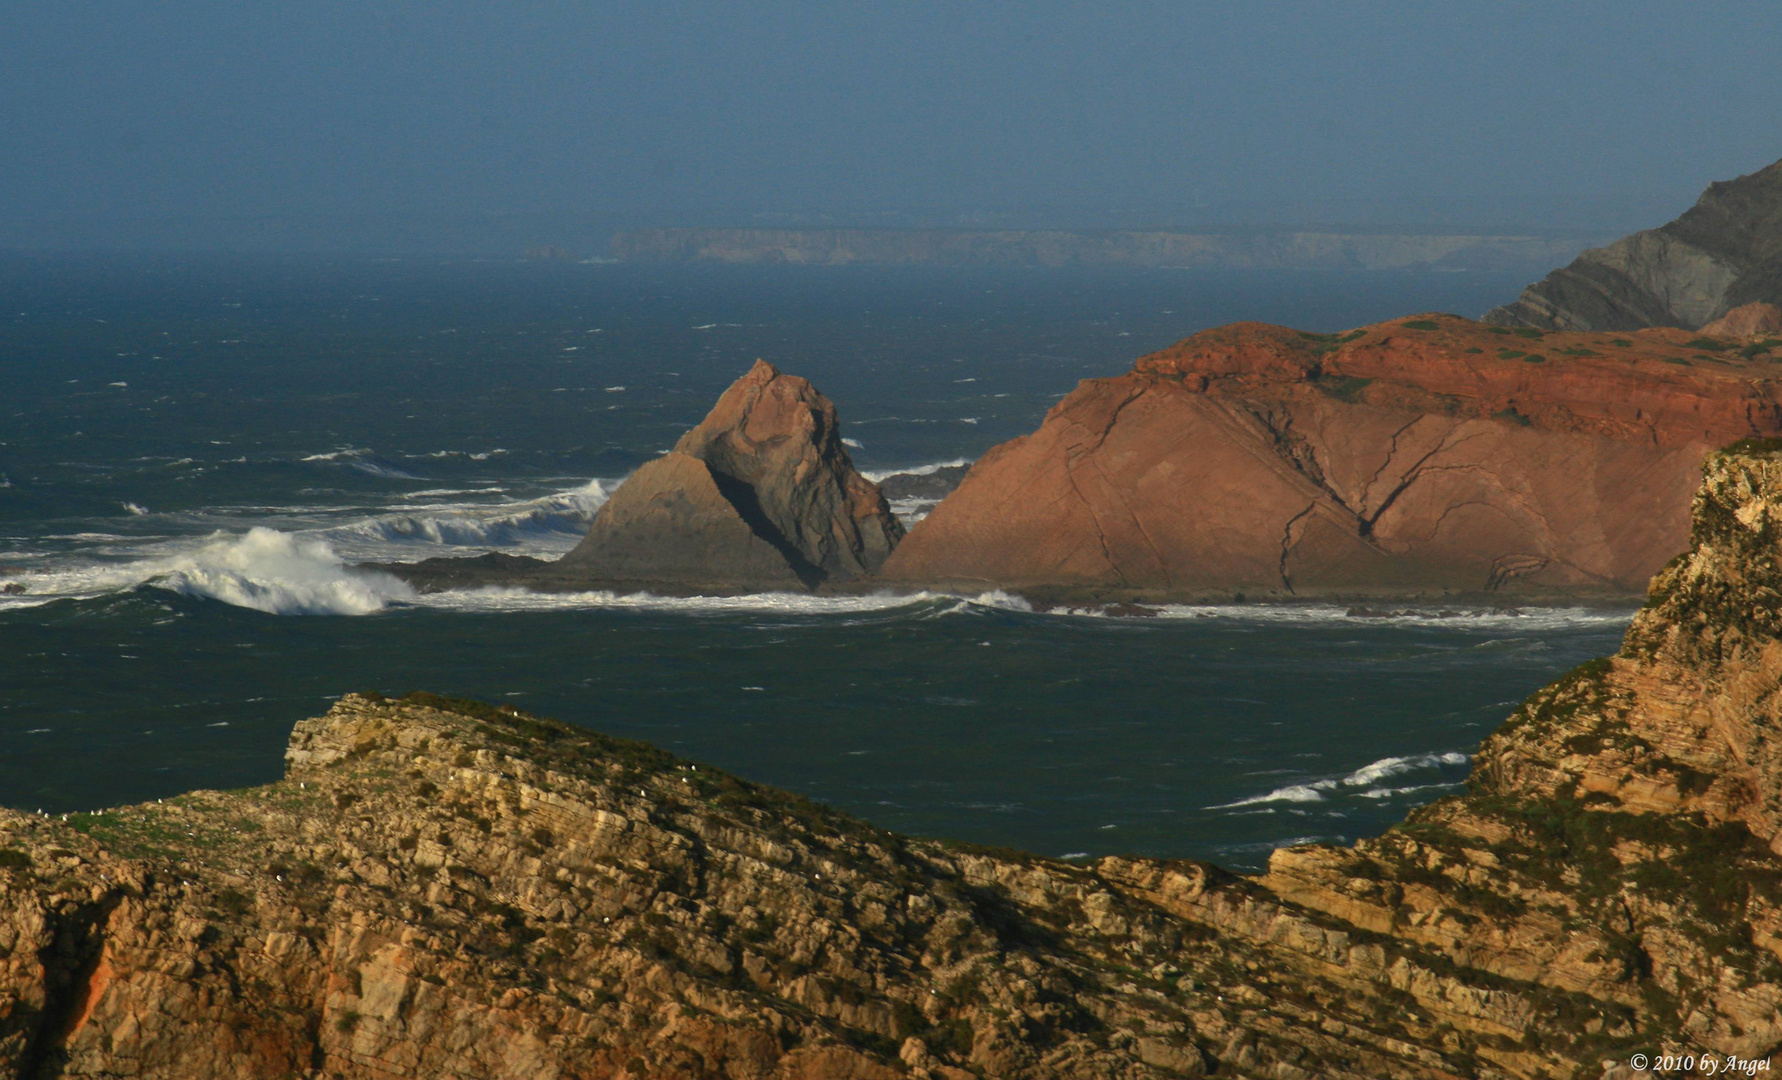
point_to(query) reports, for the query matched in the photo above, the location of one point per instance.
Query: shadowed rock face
(443, 888)
(1426, 455)
(1724, 252)
(762, 494)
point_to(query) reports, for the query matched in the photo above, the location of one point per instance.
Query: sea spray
(281, 574)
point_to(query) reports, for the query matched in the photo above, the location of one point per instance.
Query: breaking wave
(551, 523)
(280, 574)
(1367, 777)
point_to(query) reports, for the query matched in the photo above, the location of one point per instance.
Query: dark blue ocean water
(192, 452)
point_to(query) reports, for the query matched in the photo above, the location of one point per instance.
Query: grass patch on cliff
(1346, 388)
(1421, 324)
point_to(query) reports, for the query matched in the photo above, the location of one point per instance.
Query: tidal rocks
(443, 888)
(762, 494)
(1427, 455)
(1724, 252)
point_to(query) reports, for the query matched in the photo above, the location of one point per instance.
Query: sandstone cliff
(1427, 455)
(1058, 247)
(1723, 252)
(440, 888)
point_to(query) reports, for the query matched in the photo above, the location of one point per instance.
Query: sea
(195, 451)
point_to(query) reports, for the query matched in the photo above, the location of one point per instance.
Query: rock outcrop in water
(1724, 252)
(1429, 455)
(441, 888)
(761, 495)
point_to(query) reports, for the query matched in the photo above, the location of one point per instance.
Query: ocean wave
(499, 599)
(363, 459)
(878, 476)
(1527, 618)
(543, 525)
(280, 574)
(1367, 777)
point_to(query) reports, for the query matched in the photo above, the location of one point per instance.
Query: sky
(126, 121)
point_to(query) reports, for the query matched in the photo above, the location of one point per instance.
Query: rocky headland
(441, 888)
(1430, 456)
(1722, 253)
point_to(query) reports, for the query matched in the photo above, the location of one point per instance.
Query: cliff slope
(441, 888)
(1724, 252)
(1427, 455)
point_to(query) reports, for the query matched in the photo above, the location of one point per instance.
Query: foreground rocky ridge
(441, 888)
(1423, 456)
(1722, 253)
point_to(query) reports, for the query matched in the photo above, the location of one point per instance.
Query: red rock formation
(1430, 454)
(761, 494)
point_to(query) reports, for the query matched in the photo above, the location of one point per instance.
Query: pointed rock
(762, 494)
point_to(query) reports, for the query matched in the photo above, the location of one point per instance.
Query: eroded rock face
(442, 888)
(1752, 322)
(1427, 455)
(762, 494)
(1724, 252)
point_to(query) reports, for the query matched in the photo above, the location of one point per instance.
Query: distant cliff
(1155, 248)
(1724, 252)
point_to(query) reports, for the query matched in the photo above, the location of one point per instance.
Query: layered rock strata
(440, 888)
(1724, 252)
(1424, 456)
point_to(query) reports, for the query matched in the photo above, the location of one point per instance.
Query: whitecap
(135, 510)
(280, 574)
(878, 476)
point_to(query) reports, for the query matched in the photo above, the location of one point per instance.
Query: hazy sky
(1586, 115)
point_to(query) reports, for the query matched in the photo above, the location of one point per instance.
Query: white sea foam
(362, 458)
(1366, 777)
(280, 574)
(1529, 618)
(544, 526)
(878, 476)
(135, 510)
(498, 599)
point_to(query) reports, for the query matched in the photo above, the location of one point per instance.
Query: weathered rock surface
(1424, 456)
(442, 888)
(1752, 322)
(1724, 252)
(761, 495)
